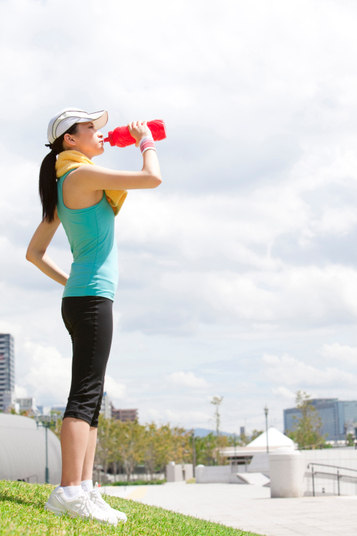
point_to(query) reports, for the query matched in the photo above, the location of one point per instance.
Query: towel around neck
(68, 160)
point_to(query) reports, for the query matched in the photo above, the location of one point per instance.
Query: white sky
(238, 275)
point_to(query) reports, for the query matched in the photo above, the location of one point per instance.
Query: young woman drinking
(85, 198)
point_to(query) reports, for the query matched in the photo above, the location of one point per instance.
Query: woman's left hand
(139, 129)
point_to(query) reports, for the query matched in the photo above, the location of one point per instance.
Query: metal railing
(338, 475)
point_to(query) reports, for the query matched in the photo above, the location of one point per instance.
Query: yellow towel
(68, 160)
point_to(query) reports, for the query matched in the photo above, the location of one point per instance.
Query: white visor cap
(69, 117)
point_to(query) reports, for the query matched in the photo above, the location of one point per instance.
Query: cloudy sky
(238, 275)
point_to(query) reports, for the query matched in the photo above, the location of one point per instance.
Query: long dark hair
(48, 177)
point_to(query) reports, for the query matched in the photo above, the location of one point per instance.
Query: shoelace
(96, 496)
(84, 505)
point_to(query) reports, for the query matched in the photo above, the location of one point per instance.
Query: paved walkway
(250, 508)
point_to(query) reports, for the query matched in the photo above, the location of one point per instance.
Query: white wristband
(147, 143)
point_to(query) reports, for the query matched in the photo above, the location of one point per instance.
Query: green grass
(22, 513)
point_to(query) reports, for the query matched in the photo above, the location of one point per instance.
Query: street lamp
(217, 401)
(45, 421)
(266, 411)
(235, 450)
(193, 453)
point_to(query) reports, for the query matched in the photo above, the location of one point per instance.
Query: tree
(128, 445)
(56, 423)
(105, 443)
(307, 429)
(159, 447)
(181, 440)
(350, 440)
(255, 434)
(165, 444)
(150, 449)
(206, 449)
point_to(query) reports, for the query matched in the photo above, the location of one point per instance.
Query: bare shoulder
(86, 170)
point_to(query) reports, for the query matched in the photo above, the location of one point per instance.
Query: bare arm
(36, 251)
(98, 178)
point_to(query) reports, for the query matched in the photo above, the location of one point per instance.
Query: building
(125, 414)
(106, 408)
(27, 405)
(249, 464)
(7, 370)
(58, 410)
(242, 457)
(337, 417)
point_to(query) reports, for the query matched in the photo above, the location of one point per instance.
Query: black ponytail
(48, 177)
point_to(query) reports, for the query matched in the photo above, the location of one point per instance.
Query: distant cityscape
(338, 418)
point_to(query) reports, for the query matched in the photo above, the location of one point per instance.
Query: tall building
(106, 407)
(338, 417)
(7, 370)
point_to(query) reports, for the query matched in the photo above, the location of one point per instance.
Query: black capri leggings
(89, 321)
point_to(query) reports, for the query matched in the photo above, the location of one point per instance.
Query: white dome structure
(276, 440)
(23, 450)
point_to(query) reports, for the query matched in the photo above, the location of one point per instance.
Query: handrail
(334, 466)
(338, 475)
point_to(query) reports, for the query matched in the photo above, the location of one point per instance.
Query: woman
(85, 199)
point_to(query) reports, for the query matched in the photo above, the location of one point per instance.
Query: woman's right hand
(139, 129)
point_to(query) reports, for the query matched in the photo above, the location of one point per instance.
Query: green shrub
(136, 483)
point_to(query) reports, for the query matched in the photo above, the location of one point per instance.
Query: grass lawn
(22, 514)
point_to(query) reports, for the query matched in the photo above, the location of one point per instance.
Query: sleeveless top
(90, 232)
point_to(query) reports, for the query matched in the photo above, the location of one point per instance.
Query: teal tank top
(90, 232)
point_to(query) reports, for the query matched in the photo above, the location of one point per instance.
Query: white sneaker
(79, 506)
(97, 499)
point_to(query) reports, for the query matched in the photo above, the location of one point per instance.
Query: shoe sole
(54, 510)
(58, 512)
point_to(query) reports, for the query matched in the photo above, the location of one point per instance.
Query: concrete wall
(230, 473)
(179, 472)
(291, 476)
(259, 464)
(325, 485)
(217, 473)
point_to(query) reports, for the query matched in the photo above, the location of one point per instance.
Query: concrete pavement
(250, 508)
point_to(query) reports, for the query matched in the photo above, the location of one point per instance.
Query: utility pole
(266, 411)
(193, 453)
(217, 401)
(45, 421)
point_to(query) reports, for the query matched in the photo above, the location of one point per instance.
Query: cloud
(248, 246)
(21, 391)
(48, 374)
(187, 379)
(340, 353)
(180, 418)
(284, 393)
(292, 372)
(116, 390)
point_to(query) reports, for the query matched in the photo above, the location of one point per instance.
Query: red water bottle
(121, 136)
